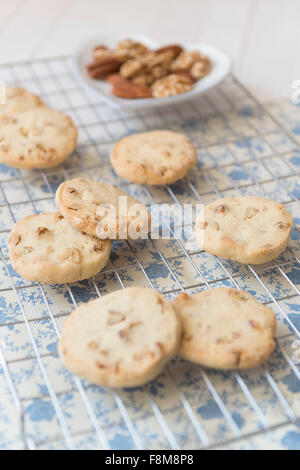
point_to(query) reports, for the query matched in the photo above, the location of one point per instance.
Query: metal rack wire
(179, 425)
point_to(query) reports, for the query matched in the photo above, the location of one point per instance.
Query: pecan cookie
(103, 210)
(123, 339)
(46, 248)
(225, 328)
(155, 158)
(37, 138)
(249, 229)
(18, 99)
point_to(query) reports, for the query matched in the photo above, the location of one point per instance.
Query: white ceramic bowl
(221, 67)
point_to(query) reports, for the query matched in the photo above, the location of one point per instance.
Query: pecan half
(129, 90)
(104, 66)
(175, 50)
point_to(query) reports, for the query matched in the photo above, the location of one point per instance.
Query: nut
(162, 58)
(42, 231)
(174, 49)
(171, 85)
(103, 67)
(200, 68)
(188, 75)
(202, 225)
(159, 71)
(132, 48)
(72, 255)
(185, 61)
(221, 209)
(100, 51)
(93, 345)
(18, 239)
(282, 226)
(169, 70)
(115, 317)
(71, 190)
(98, 247)
(132, 68)
(251, 212)
(128, 90)
(144, 79)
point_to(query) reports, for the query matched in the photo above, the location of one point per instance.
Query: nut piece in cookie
(225, 328)
(102, 210)
(37, 138)
(46, 248)
(123, 339)
(155, 158)
(249, 229)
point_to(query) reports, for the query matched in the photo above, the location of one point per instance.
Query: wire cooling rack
(242, 149)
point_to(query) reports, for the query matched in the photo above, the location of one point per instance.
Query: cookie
(248, 229)
(38, 138)
(155, 158)
(46, 248)
(18, 99)
(123, 339)
(225, 328)
(103, 210)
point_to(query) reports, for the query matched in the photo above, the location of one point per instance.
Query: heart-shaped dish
(221, 67)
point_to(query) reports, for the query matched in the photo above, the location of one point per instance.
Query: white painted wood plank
(262, 36)
(165, 21)
(268, 63)
(29, 25)
(226, 25)
(8, 10)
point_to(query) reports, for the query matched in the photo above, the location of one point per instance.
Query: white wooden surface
(262, 36)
